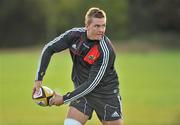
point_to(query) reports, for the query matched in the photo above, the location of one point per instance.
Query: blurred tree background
(146, 35)
(31, 22)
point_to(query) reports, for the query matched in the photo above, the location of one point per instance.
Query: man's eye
(98, 26)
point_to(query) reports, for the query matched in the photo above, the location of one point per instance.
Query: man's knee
(70, 121)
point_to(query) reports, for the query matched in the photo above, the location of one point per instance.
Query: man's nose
(101, 29)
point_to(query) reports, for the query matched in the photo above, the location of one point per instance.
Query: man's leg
(75, 117)
(116, 122)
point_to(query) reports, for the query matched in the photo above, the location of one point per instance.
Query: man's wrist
(65, 97)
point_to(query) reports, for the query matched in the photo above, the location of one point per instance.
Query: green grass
(150, 84)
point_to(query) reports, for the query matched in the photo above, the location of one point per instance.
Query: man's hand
(57, 100)
(36, 88)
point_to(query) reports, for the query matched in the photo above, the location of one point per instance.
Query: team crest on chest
(92, 55)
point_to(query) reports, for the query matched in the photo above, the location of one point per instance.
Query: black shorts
(107, 109)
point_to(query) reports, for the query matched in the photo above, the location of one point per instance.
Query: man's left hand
(57, 100)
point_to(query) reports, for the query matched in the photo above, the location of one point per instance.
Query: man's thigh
(115, 122)
(75, 114)
(80, 110)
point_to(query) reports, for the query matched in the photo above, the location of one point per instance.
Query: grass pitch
(149, 83)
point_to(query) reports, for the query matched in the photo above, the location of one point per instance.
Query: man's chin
(99, 38)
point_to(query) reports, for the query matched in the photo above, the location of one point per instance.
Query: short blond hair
(94, 12)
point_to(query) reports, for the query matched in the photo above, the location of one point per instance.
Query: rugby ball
(42, 98)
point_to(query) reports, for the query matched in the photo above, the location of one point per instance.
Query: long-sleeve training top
(93, 72)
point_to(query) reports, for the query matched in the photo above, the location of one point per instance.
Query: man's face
(96, 29)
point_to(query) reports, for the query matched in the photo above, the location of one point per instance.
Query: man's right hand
(36, 88)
